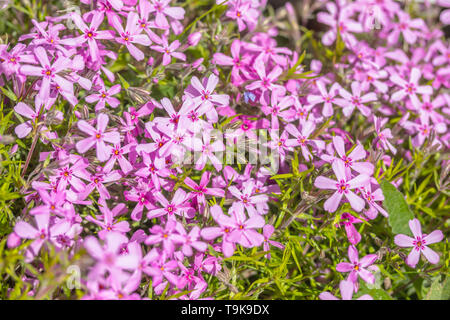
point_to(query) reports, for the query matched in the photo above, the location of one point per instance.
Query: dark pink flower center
(342, 186)
(410, 88)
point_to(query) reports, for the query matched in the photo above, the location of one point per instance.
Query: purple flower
(49, 72)
(410, 88)
(357, 267)
(98, 137)
(267, 233)
(131, 34)
(419, 243)
(90, 34)
(355, 100)
(105, 96)
(343, 186)
(168, 50)
(346, 288)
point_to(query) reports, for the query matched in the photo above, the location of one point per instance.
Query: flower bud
(194, 38)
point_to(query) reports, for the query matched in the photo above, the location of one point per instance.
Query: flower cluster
(140, 178)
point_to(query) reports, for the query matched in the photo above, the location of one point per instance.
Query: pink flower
(225, 230)
(265, 82)
(167, 236)
(168, 50)
(118, 154)
(201, 189)
(248, 199)
(327, 98)
(98, 181)
(419, 243)
(267, 233)
(343, 186)
(406, 27)
(355, 99)
(155, 168)
(346, 288)
(347, 220)
(338, 18)
(237, 60)
(205, 150)
(177, 206)
(131, 34)
(384, 135)
(162, 10)
(302, 138)
(410, 88)
(105, 96)
(108, 256)
(44, 231)
(90, 34)
(98, 137)
(204, 98)
(243, 13)
(108, 216)
(190, 240)
(49, 72)
(357, 267)
(24, 129)
(350, 161)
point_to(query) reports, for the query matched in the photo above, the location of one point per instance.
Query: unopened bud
(194, 38)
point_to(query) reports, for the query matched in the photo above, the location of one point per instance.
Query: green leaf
(376, 294)
(9, 94)
(398, 209)
(125, 84)
(439, 291)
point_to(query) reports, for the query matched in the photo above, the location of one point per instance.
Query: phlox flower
(302, 138)
(154, 168)
(105, 96)
(357, 267)
(350, 160)
(204, 98)
(201, 189)
(168, 50)
(267, 233)
(348, 221)
(355, 100)
(118, 154)
(162, 10)
(131, 34)
(204, 149)
(177, 206)
(90, 34)
(410, 88)
(168, 236)
(190, 240)
(98, 181)
(107, 220)
(243, 13)
(327, 98)
(237, 60)
(44, 231)
(383, 135)
(409, 28)
(48, 72)
(343, 186)
(248, 199)
(346, 288)
(419, 243)
(108, 256)
(266, 81)
(97, 137)
(338, 21)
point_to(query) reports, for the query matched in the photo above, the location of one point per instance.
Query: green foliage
(396, 206)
